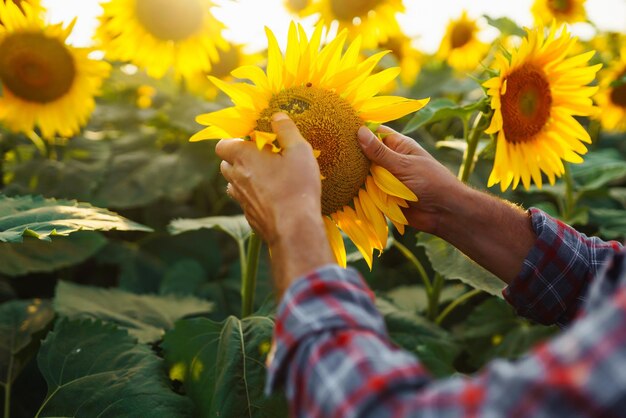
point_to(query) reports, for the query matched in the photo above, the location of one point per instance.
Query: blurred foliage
(146, 322)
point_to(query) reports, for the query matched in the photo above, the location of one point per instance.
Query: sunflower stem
(433, 297)
(249, 273)
(461, 299)
(39, 143)
(416, 263)
(472, 144)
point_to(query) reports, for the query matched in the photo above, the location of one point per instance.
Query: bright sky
(425, 20)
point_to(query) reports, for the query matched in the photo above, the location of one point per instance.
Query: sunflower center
(347, 10)
(560, 6)
(461, 34)
(526, 104)
(330, 124)
(618, 94)
(170, 20)
(36, 68)
(297, 5)
(228, 61)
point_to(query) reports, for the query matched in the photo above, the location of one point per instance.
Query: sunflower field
(131, 285)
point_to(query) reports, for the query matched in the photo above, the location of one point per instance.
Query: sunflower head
(460, 45)
(296, 6)
(569, 11)
(611, 97)
(46, 82)
(329, 95)
(160, 35)
(539, 90)
(374, 21)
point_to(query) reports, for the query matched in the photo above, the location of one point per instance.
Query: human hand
(434, 185)
(281, 198)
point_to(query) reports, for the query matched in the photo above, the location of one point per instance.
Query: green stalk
(433, 296)
(461, 299)
(472, 144)
(416, 263)
(249, 273)
(7, 390)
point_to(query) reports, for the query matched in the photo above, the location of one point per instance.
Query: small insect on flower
(329, 95)
(535, 98)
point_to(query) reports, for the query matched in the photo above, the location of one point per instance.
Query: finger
(229, 149)
(286, 131)
(395, 140)
(374, 149)
(233, 192)
(227, 171)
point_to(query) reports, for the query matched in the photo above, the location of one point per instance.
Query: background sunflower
(534, 99)
(46, 83)
(159, 35)
(612, 95)
(569, 11)
(460, 47)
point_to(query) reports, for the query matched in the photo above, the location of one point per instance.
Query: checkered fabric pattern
(335, 359)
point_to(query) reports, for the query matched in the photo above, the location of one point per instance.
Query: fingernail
(279, 116)
(365, 135)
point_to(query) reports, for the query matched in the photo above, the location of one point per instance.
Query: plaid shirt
(335, 358)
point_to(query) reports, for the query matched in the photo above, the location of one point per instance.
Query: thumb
(374, 149)
(286, 131)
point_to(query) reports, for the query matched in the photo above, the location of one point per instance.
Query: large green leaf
(146, 317)
(37, 256)
(94, 369)
(21, 323)
(611, 222)
(236, 226)
(146, 167)
(452, 264)
(599, 169)
(222, 366)
(506, 26)
(75, 174)
(439, 109)
(42, 218)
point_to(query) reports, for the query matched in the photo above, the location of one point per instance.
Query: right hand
(433, 184)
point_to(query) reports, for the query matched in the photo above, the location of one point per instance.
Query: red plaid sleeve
(555, 276)
(335, 360)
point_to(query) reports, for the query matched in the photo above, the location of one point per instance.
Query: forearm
(301, 247)
(494, 233)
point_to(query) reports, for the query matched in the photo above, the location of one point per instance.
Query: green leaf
(146, 317)
(36, 256)
(222, 366)
(413, 298)
(21, 324)
(75, 175)
(42, 218)
(440, 109)
(599, 169)
(94, 369)
(452, 264)
(506, 26)
(611, 222)
(142, 170)
(235, 226)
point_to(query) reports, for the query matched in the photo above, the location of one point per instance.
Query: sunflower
(36, 4)
(231, 58)
(408, 58)
(374, 20)
(296, 6)
(535, 98)
(612, 95)
(329, 95)
(45, 82)
(569, 11)
(460, 45)
(161, 34)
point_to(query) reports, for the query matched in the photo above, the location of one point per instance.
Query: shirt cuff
(554, 275)
(328, 299)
